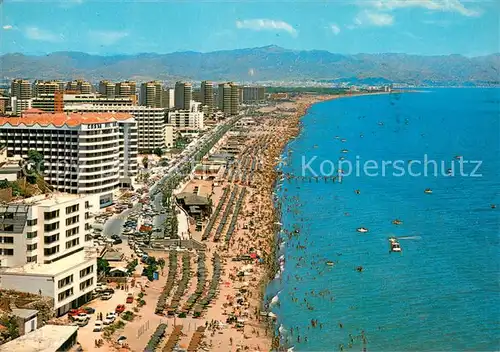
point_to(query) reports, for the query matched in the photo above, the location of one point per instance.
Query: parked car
(130, 298)
(120, 308)
(82, 323)
(106, 296)
(73, 313)
(110, 318)
(98, 325)
(81, 317)
(108, 290)
(117, 241)
(88, 310)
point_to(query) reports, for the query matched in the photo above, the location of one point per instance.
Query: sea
(341, 289)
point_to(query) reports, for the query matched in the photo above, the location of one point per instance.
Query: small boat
(428, 191)
(330, 263)
(341, 158)
(458, 157)
(357, 191)
(493, 206)
(449, 171)
(394, 245)
(345, 151)
(362, 229)
(397, 222)
(343, 140)
(380, 123)
(337, 137)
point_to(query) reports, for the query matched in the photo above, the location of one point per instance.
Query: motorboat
(330, 263)
(394, 245)
(357, 191)
(397, 222)
(428, 191)
(345, 151)
(362, 229)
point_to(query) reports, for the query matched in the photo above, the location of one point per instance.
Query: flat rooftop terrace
(48, 338)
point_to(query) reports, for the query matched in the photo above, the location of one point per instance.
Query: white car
(98, 326)
(81, 317)
(110, 318)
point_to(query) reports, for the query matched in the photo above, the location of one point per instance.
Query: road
(114, 225)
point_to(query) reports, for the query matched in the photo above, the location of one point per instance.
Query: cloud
(107, 37)
(266, 25)
(7, 27)
(335, 29)
(433, 5)
(371, 18)
(35, 33)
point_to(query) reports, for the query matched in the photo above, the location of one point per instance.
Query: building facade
(183, 95)
(253, 94)
(182, 119)
(150, 122)
(79, 86)
(207, 96)
(229, 98)
(46, 248)
(48, 102)
(81, 151)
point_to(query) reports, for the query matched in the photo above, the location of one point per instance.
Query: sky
(106, 27)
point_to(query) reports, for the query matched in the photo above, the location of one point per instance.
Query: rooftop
(51, 269)
(49, 199)
(48, 338)
(24, 313)
(190, 199)
(63, 119)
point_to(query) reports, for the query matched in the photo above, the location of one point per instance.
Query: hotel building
(83, 153)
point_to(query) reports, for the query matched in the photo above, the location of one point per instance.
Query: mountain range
(269, 63)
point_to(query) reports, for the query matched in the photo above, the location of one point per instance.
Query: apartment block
(253, 94)
(83, 153)
(46, 248)
(207, 96)
(47, 87)
(48, 102)
(153, 95)
(21, 89)
(183, 95)
(229, 98)
(79, 86)
(150, 122)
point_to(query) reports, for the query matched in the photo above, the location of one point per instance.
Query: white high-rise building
(83, 153)
(150, 122)
(46, 248)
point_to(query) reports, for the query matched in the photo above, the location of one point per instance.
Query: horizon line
(272, 46)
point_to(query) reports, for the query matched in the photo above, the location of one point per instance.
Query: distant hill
(258, 64)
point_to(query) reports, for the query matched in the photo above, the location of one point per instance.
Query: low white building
(69, 281)
(45, 229)
(182, 119)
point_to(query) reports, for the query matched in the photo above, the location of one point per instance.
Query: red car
(74, 312)
(130, 298)
(120, 308)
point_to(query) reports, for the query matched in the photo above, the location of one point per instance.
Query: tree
(158, 151)
(35, 164)
(103, 266)
(145, 161)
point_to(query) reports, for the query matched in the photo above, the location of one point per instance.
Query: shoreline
(293, 129)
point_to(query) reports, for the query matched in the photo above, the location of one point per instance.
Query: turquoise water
(442, 293)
